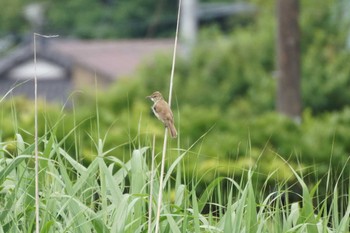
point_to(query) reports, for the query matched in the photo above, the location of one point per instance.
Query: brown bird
(163, 112)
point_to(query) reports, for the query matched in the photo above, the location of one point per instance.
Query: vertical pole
(288, 59)
(188, 26)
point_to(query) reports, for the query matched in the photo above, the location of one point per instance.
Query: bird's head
(155, 96)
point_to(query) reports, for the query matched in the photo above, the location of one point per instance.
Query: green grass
(110, 195)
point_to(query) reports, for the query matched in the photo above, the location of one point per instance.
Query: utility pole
(188, 26)
(288, 59)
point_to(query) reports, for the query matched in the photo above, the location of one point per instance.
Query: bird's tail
(172, 130)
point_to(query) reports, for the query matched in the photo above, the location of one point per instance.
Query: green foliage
(98, 19)
(225, 91)
(325, 77)
(230, 145)
(11, 16)
(223, 106)
(110, 195)
(111, 19)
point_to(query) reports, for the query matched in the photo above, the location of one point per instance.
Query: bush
(225, 93)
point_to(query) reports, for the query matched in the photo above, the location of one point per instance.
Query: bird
(162, 111)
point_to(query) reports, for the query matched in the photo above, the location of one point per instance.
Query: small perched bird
(163, 112)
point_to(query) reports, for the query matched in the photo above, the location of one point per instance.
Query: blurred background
(256, 81)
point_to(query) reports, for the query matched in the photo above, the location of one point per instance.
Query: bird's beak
(148, 97)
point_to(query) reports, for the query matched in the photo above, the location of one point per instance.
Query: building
(66, 65)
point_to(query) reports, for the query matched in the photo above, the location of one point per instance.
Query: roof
(112, 59)
(25, 53)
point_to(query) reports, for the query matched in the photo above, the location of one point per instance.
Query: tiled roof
(108, 59)
(112, 59)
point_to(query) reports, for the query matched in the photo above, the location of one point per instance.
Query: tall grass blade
(229, 216)
(251, 215)
(307, 215)
(138, 185)
(196, 212)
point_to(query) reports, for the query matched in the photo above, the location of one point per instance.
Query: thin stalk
(36, 150)
(151, 186)
(174, 55)
(97, 111)
(37, 229)
(160, 192)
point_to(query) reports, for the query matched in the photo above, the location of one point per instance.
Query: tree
(288, 59)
